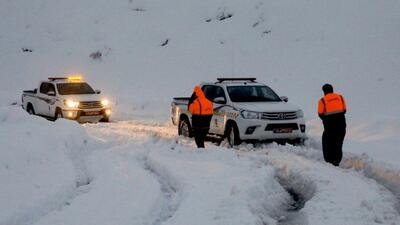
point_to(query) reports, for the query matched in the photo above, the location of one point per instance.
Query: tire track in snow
(125, 131)
(167, 133)
(169, 203)
(387, 177)
(382, 174)
(82, 186)
(312, 181)
(170, 197)
(301, 190)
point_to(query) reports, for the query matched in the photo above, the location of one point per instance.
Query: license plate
(92, 113)
(283, 130)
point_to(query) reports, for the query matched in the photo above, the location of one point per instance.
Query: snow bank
(41, 164)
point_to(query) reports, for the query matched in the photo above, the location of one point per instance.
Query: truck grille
(279, 116)
(90, 105)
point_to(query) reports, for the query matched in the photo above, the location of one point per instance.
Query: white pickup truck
(67, 97)
(245, 110)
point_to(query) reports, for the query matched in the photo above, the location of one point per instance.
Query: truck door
(51, 95)
(216, 94)
(43, 99)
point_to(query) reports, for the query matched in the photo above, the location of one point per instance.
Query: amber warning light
(75, 78)
(71, 78)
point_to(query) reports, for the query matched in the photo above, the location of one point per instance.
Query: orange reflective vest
(331, 103)
(201, 105)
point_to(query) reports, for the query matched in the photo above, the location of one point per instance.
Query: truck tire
(58, 114)
(105, 119)
(184, 128)
(298, 142)
(232, 135)
(30, 109)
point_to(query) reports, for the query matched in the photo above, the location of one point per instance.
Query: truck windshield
(252, 94)
(74, 89)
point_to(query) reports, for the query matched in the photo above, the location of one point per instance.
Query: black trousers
(332, 143)
(199, 136)
(201, 126)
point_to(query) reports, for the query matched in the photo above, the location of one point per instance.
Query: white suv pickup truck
(67, 97)
(245, 110)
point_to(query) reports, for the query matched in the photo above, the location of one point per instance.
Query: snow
(135, 170)
(347, 195)
(121, 192)
(41, 164)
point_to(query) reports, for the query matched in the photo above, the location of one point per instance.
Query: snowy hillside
(294, 46)
(141, 54)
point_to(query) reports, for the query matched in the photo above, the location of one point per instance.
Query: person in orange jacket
(202, 110)
(332, 110)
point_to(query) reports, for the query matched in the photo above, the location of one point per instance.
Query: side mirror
(97, 91)
(220, 100)
(51, 93)
(284, 98)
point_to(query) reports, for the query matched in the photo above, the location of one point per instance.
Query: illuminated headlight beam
(104, 102)
(71, 104)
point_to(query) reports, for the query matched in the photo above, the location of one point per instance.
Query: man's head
(327, 88)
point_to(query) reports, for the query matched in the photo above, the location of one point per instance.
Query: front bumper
(272, 129)
(86, 115)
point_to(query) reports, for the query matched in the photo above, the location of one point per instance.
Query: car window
(211, 92)
(51, 88)
(44, 88)
(219, 92)
(252, 94)
(208, 92)
(74, 89)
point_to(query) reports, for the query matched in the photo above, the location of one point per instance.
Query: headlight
(299, 113)
(71, 104)
(104, 102)
(250, 115)
(108, 112)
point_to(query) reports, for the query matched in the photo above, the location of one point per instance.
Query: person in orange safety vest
(202, 110)
(332, 110)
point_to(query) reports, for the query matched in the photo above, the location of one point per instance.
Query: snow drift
(42, 164)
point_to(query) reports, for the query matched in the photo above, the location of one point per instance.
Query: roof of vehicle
(68, 79)
(235, 82)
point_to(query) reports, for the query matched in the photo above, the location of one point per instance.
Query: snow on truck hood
(267, 106)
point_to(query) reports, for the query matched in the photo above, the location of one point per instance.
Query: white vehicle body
(258, 120)
(69, 98)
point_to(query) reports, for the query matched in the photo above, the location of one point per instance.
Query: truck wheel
(184, 128)
(232, 135)
(105, 119)
(298, 142)
(58, 114)
(30, 109)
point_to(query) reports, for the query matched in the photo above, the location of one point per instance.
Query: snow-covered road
(138, 172)
(182, 185)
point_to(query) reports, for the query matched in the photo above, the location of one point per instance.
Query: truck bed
(181, 100)
(30, 91)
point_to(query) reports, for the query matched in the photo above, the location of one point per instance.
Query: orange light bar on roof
(75, 78)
